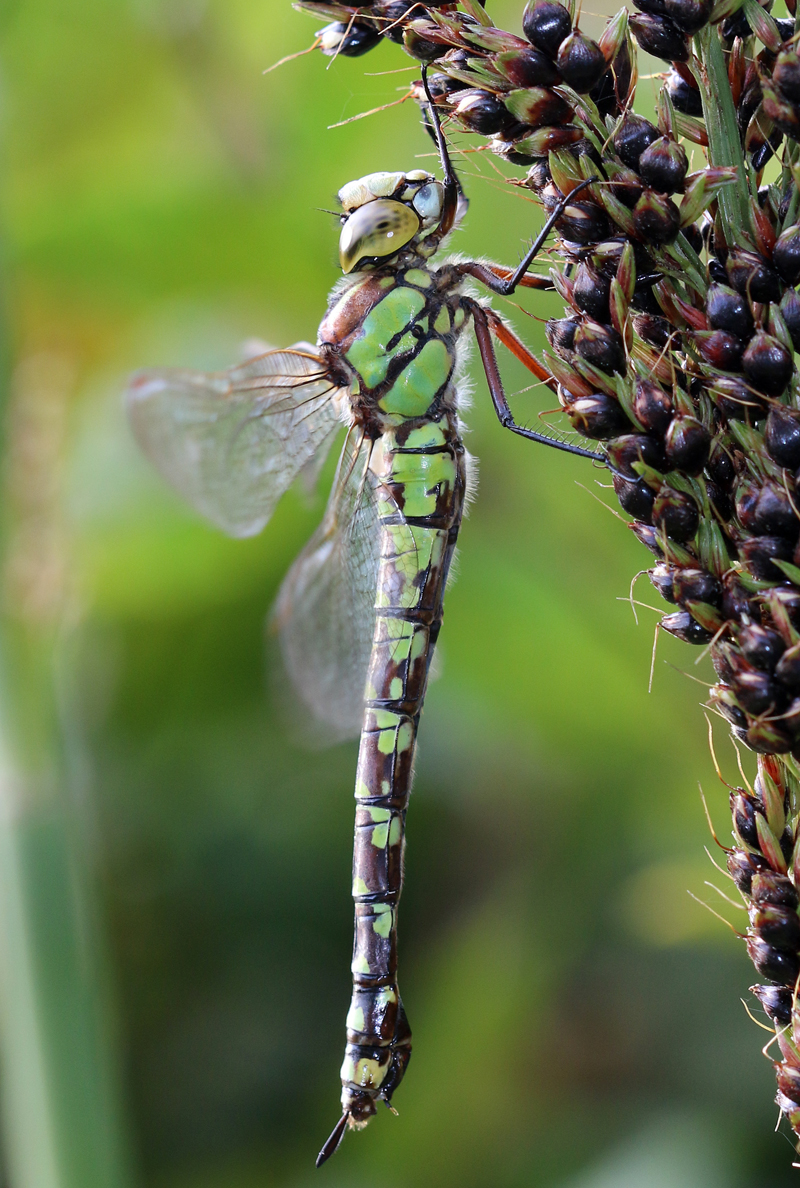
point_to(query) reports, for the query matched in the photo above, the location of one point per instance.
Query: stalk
(61, 1113)
(724, 140)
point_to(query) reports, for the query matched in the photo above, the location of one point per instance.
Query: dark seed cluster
(521, 92)
(676, 351)
(764, 865)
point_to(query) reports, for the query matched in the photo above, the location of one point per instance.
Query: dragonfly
(360, 611)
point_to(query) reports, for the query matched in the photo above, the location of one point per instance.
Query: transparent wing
(325, 611)
(232, 442)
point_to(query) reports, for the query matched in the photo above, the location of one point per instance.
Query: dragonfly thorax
(391, 337)
(386, 212)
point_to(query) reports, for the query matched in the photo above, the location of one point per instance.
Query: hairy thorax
(390, 337)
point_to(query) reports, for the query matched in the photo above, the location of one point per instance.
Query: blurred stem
(724, 142)
(60, 1104)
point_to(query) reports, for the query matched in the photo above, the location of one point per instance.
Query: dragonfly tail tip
(331, 1146)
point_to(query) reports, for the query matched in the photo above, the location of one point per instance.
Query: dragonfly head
(385, 212)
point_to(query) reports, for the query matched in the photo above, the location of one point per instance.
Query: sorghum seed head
(787, 669)
(786, 254)
(720, 500)
(583, 222)
(728, 310)
(479, 111)
(600, 345)
(759, 552)
(769, 886)
(654, 329)
(743, 866)
(635, 498)
(786, 75)
(442, 86)
(655, 7)
(778, 926)
(782, 436)
(743, 811)
(581, 62)
(773, 964)
(660, 37)
(696, 585)
(776, 1001)
(685, 628)
(687, 444)
(656, 218)
(676, 513)
(689, 15)
(546, 24)
(632, 137)
(761, 646)
(561, 332)
(736, 400)
(351, 40)
(755, 690)
(538, 106)
(391, 15)
(751, 275)
(663, 165)
(599, 416)
(767, 364)
(721, 349)
(652, 406)
(538, 176)
(720, 463)
(735, 600)
(663, 578)
(790, 311)
(624, 451)
(765, 509)
(423, 48)
(789, 1081)
(528, 68)
(591, 291)
(685, 98)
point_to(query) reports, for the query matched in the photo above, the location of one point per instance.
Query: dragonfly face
(386, 212)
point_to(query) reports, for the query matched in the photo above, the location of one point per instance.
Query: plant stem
(724, 142)
(60, 1104)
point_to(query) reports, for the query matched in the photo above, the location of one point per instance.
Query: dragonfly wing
(233, 441)
(325, 611)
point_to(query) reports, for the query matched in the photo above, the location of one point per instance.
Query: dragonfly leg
(505, 286)
(452, 186)
(487, 321)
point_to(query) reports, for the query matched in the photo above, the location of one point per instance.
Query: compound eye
(376, 229)
(428, 202)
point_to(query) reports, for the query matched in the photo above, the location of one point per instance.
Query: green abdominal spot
(415, 389)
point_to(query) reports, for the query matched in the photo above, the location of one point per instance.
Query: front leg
(486, 322)
(505, 285)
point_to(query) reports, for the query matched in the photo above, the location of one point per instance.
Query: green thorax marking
(406, 344)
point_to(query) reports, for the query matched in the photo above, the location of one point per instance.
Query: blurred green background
(177, 913)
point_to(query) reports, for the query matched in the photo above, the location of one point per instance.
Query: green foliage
(161, 204)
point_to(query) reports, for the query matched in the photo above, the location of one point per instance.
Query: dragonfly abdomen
(421, 474)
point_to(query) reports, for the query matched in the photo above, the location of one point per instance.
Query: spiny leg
(486, 321)
(504, 285)
(452, 186)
